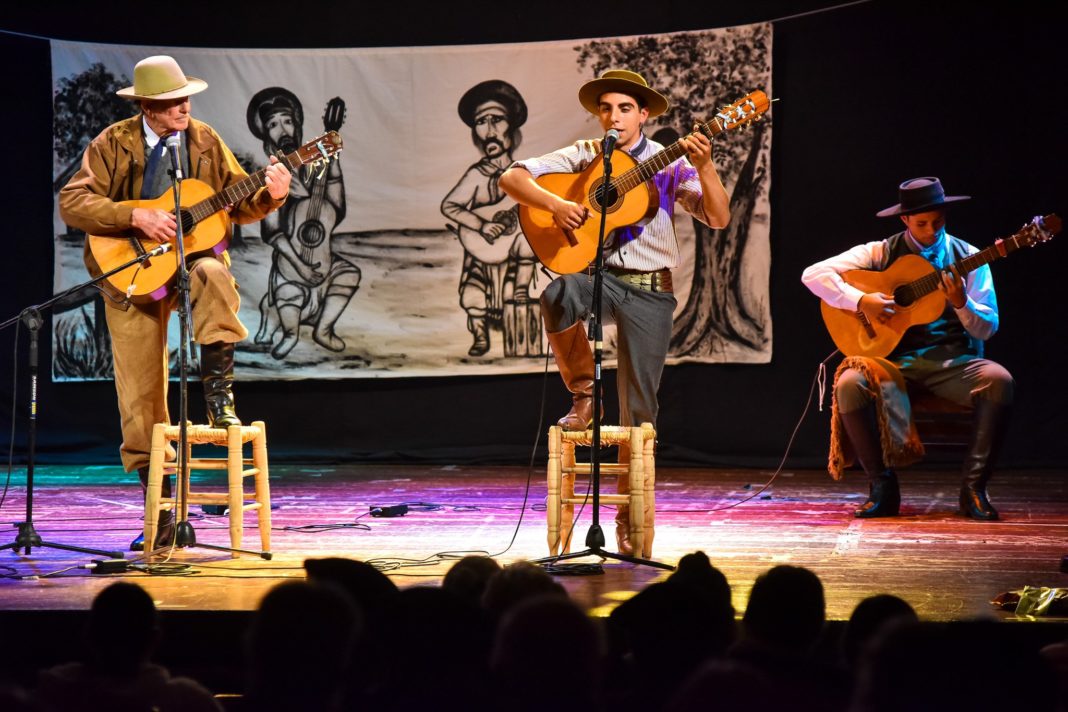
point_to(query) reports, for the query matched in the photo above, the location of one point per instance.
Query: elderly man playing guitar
(123, 165)
(637, 293)
(941, 352)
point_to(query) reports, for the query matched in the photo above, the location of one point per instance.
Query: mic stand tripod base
(28, 538)
(186, 536)
(595, 544)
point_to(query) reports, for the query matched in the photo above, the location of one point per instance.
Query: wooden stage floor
(947, 567)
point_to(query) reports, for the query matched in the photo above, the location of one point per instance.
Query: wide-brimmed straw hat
(159, 77)
(623, 82)
(918, 195)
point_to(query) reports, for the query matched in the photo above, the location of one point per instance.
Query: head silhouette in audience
(515, 583)
(468, 577)
(662, 634)
(547, 655)
(299, 646)
(785, 609)
(117, 672)
(867, 619)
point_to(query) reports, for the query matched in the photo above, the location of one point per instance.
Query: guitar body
(151, 281)
(850, 334)
(314, 220)
(496, 252)
(568, 251)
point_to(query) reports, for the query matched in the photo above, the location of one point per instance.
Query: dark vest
(945, 337)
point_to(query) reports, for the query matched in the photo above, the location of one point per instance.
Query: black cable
(808, 404)
(14, 406)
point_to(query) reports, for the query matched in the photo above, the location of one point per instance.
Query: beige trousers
(140, 354)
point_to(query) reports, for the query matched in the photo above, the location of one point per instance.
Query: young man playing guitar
(944, 356)
(125, 163)
(637, 292)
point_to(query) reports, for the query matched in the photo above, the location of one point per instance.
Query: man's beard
(287, 144)
(492, 142)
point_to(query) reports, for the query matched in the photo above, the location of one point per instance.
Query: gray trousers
(643, 326)
(960, 383)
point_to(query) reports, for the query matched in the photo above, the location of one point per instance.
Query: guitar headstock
(742, 112)
(317, 152)
(1040, 229)
(318, 149)
(334, 115)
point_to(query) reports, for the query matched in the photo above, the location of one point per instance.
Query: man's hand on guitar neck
(155, 224)
(953, 287)
(877, 307)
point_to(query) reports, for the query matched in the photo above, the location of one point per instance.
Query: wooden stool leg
(637, 492)
(263, 485)
(235, 478)
(567, 496)
(156, 457)
(649, 470)
(552, 500)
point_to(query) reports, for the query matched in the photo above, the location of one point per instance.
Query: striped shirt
(648, 247)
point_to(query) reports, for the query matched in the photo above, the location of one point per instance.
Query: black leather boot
(217, 375)
(165, 522)
(884, 495)
(988, 434)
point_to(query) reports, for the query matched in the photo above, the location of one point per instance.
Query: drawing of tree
(83, 106)
(700, 72)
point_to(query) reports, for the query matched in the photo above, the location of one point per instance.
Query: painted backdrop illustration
(402, 258)
(499, 266)
(309, 284)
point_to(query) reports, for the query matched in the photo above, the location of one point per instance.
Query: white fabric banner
(364, 273)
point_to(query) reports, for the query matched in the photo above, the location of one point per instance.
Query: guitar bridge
(868, 328)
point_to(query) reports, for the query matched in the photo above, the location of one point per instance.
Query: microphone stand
(27, 537)
(184, 534)
(595, 535)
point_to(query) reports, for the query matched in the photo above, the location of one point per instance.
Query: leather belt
(655, 281)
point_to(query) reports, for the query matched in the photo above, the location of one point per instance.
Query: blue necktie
(150, 170)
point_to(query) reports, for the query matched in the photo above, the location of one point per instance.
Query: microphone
(156, 252)
(609, 143)
(174, 143)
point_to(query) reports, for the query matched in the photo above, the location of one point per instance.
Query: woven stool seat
(237, 468)
(637, 472)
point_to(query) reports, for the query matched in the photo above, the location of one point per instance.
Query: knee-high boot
(217, 376)
(884, 495)
(574, 357)
(988, 433)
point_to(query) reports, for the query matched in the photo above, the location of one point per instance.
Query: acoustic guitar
(483, 249)
(914, 283)
(565, 251)
(205, 227)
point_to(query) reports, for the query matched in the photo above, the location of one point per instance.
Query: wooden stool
(234, 439)
(640, 472)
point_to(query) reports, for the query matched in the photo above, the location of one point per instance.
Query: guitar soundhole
(187, 222)
(605, 198)
(311, 233)
(904, 296)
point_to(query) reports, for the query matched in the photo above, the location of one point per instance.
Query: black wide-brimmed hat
(495, 91)
(918, 195)
(270, 101)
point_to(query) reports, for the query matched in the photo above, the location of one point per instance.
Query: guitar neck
(651, 166)
(1001, 248)
(235, 193)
